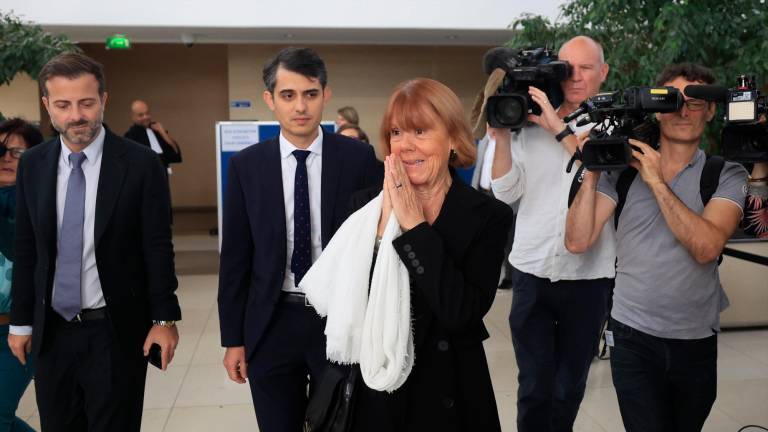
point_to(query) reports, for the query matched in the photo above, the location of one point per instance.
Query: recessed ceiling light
(288, 35)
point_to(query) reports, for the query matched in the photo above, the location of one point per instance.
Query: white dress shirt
(314, 174)
(154, 144)
(487, 164)
(90, 285)
(537, 186)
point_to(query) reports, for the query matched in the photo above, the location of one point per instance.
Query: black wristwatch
(567, 131)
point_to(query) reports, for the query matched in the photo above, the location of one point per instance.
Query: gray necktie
(66, 296)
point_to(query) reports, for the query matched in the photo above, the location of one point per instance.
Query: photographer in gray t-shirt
(668, 296)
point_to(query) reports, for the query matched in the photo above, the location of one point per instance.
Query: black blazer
(132, 234)
(139, 134)
(253, 251)
(454, 266)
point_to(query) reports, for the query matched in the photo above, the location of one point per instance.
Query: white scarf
(374, 331)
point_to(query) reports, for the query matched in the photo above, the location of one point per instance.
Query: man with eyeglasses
(667, 298)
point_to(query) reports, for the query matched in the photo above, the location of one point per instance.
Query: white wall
(403, 14)
(21, 99)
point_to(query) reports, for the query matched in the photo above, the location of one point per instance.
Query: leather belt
(294, 297)
(89, 315)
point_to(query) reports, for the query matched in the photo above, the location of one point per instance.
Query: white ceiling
(391, 22)
(288, 35)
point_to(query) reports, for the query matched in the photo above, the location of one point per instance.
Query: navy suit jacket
(253, 251)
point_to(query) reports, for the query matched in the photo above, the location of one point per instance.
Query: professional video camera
(538, 67)
(619, 117)
(745, 135)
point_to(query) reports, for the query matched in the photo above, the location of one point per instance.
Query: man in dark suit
(93, 282)
(284, 199)
(152, 134)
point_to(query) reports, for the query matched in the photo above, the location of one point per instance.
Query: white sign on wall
(236, 136)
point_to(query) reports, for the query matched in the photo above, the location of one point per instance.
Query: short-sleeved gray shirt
(660, 289)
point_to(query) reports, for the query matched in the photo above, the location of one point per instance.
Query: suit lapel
(111, 176)
(331, 173)
(47, 195)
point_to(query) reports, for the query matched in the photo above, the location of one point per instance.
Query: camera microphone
(584, 107)
(499, 57)
(711, 93)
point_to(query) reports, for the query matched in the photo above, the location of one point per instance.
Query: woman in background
(347, 115)
(16, 137)
(353, 131)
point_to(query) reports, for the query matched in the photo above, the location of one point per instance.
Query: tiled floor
(196, 395)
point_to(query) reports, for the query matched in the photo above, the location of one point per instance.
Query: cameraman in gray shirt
(667, 297)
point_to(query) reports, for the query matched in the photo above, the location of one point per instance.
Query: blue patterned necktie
(66, 297)
(301, 259)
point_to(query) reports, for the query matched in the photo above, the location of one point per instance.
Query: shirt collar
(287, 148)
(92, 151)
(696, 157)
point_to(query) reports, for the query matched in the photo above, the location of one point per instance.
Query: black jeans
(555, 332)
(663, 385)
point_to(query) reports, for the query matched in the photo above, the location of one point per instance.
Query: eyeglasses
(14, 151)
(695, 104)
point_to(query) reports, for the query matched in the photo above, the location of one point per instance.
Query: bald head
(140, 113)
(586, 57)
(583, 43)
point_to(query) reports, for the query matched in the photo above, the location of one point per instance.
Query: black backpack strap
(576, 185)
(622, 189)
(710, 177)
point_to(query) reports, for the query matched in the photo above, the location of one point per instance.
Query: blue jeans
(555, 332)
(14, 378)
(663, 385)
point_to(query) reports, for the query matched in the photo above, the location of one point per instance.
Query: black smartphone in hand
(155, 359)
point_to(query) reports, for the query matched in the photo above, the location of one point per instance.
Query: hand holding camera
(647, 161)
(548, 119)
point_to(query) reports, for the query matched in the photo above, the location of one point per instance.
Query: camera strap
(578, 178)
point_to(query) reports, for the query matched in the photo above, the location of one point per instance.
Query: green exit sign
(118, 42)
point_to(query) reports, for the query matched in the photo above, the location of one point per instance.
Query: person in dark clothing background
(152, 134)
